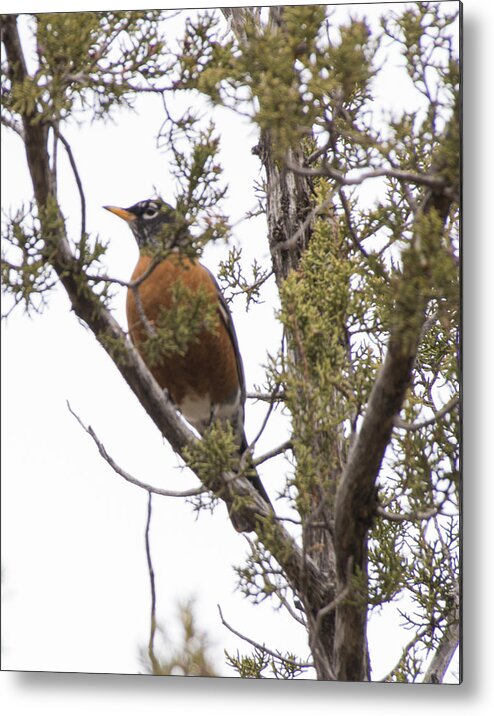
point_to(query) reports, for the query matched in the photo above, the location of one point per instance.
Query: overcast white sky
(75, 583)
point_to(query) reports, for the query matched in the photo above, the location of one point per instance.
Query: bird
(205, 380)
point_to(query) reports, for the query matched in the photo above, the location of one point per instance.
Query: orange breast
(209, 366)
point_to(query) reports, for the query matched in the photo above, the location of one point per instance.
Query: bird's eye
(150, 213)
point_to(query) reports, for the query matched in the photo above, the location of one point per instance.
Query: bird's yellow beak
(122, 213)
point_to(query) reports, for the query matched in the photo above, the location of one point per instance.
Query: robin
(205, 380)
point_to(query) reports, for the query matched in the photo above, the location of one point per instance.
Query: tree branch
(287, 445)
(433, 181)
(266, 417)
(152, 584)
(267, 397)
(449, 643)
(356, 500)
(126, 476)
(412, 427)
(77, 177)
(262, 647)
(408, 517)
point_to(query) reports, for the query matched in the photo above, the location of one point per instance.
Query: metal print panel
(231, 247)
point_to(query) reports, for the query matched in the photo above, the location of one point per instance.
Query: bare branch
(132, 285)
(148, 326)
(152, 625)
(351, 228)
(149, 269)
(133, 480)
(403, 425)
(266, 417)
(314, 634)
(107, 279)
(249, 289)
(287, 445)
(407, 517)
(262, 647)
(447, 646)
(332, 605)
(267, 397)
(433, 181)
(77, 177)
(291, 611)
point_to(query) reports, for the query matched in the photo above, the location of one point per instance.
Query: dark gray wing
(227, 319)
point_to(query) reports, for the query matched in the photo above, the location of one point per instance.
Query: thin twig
(266, 417)
(267, 397)
(352, 231)
(126, 475)
(287, 445)
(327, 609)
(403, 425)
(447, 646)
(149, 269)
(434, 181)
(152, 626)
(250, 288)
(330, 607)
(148, 326)
(318, 152)
(262, 647)
(291, 611)
(131, 285)
(408, 517)
(107, 279)
(77, 178)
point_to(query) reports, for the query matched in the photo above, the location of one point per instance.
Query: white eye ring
(150, 213)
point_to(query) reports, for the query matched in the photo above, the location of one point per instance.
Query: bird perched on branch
(201, 370)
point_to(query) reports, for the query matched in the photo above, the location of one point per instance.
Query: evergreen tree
(369, 293)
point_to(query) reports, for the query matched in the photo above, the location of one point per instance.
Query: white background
(87, 543)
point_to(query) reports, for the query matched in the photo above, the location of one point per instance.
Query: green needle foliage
(315, 303)
(179, 327)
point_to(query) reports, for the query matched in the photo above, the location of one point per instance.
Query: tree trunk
(289, 218)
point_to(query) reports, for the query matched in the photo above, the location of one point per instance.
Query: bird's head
(154, 223)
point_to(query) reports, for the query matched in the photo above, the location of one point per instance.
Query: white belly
(200, 412)
(197, 411)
